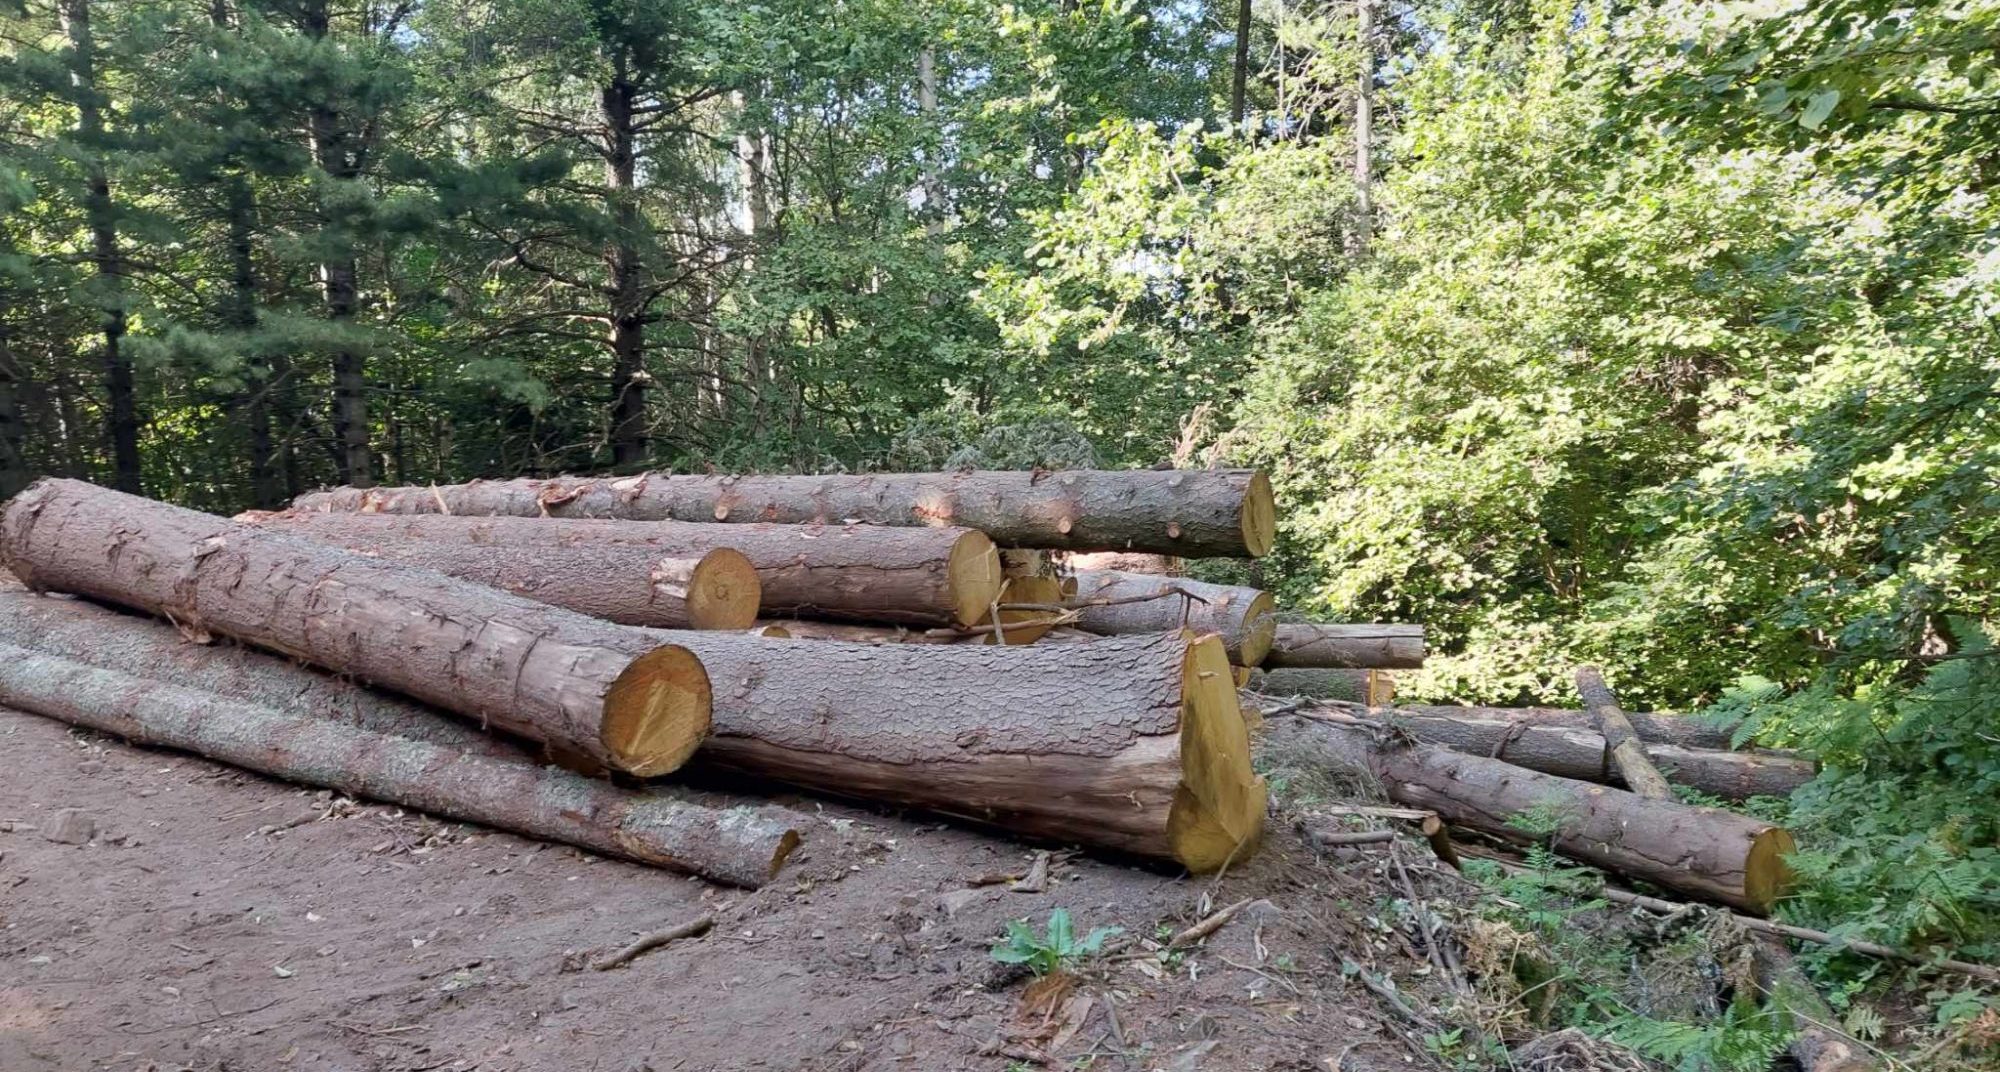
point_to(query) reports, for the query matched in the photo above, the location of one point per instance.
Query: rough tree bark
(627, 584)
(1658, 728)
(1580, 754)
(1620, 739)
(870, 573)
(627, 270)
(1128, 562)
(1132, 744)
(1179, 512)
(1705, 853)
(1368, 647)
(742, 846)
(1239, 75)
(1243, 617)
(593, 691)
(1369, 688)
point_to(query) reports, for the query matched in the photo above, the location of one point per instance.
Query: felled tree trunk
(742, 846)
(1706, 853)
(1130, 744)
(1122, 604)
(1368, 688)
(936, 576)
(1659, 728)
(593, 691)
(1188, 512)
(1627, 752)
(1129, 562)
(713, 589)
(1367, 647)
(848, 632)
(1585, 756)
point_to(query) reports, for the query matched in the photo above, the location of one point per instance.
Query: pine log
(1128, 562)
(84, 632)
(1225, 512)
(711, 589)
(1627, 751)
(1132, 744)
(1370, 688)
(594, 692)
(852, 633)
(1686, 731)
(1365, 647)
(740, 845)
(1584, 756)
(934, 576)
(1123, 604)
(1705, 853)
(1818, 1044)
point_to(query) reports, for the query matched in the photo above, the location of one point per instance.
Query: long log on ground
(1628, 753)
(1122, 604)
(853, 633)
(935, 576)
(712, 589)
(740, 845)
(1585, 756)
(1128, 562)
(1226, 512)
(84, 632)
(1818, 1044)
(1132, 744)
(594, 692)
(1365, 647)
(1368, 688)
(1706, 853)
(1687, 731)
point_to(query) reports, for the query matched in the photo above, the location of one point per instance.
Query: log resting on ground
(1705, 853)
(1368, 688)
(712, 589)
(1628, 752)
(1132, 744)
(1687, 731)
(1585, 756)
(1128, 562)
(595, 693)
(931, 576)
(1243, 617)
(1364, 647)
(1225, 512)
(739, 845)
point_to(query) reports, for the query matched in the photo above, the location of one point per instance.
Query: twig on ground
(697, 926)
(1214, 922)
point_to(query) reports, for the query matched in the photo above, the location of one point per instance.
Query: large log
(1366, 647)
(711, 589)
(605, 694)
(935, 576)
(1370, 688)
(1585, 756)
(739, 845)
(1133, 744)
(1687, 731)
(1706, 853)
(1192, 513)
(1122, 604)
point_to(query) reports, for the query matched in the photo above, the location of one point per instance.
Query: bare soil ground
(217, 920)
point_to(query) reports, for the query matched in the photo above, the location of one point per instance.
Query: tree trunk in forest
(870, 573)
(1243, 617)
(629, 379)
(1369, 688)
(14, 473)
(339, 151)
(1580, 754)
(715, 589)
(1705, 853)
(121, 411)
(1620, 739)
(1134, 744)
(1368, 647)
(1364, 129)
(607, 694)
(1128, 562)
(267, 489)
(1187, 512)
(1685, 731)
(1239, 77)
(741, 846)
(754, 158)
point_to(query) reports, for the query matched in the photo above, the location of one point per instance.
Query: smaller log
(741, 846)
(1619, 737)
(1123, 604)
(851, 633)
(1367, 647)
(1818, 1044)
(1686, 731)
(1371, 688)
(1153, 565)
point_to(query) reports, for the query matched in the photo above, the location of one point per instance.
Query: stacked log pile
(1021, 651)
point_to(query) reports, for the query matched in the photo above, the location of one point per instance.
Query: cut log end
(1218, 809)
(657, 712)
(1259, 517)
(1766, 875)
(975, 577)
(724, 591)
(1260, 630)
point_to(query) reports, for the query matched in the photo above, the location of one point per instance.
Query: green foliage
(1057, 950)
(1740, 1040)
